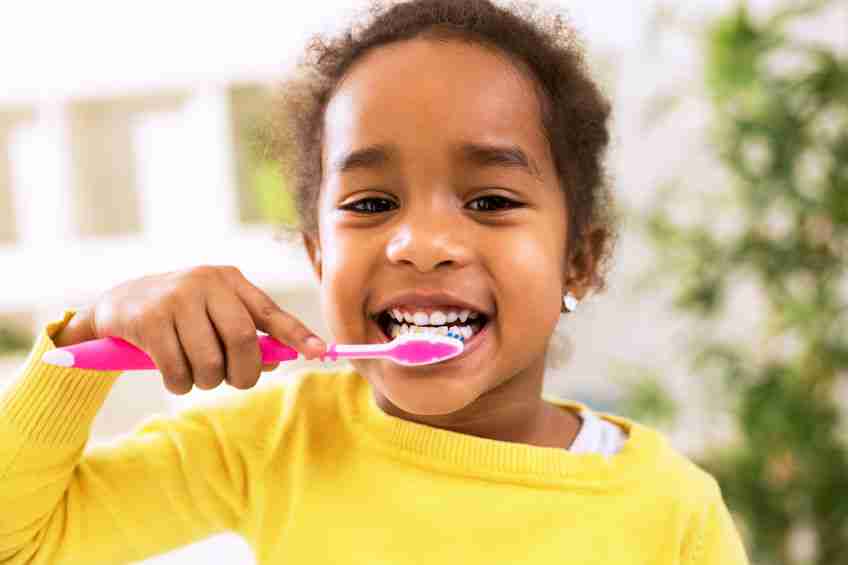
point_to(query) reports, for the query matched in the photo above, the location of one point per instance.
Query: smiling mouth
(468, 330)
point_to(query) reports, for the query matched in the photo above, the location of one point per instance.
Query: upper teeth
(435, 318)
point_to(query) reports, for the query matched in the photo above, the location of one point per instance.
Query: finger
(278, 323)
(269, 367)
(201, 345)
(237, 331)
(168, 355)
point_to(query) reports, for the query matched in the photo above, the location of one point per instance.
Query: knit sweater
(310, 470)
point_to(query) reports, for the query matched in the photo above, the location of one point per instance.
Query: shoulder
(706, 531)
(670, 475)
(695, 488)
(682, 491)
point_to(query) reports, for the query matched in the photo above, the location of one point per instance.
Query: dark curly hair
(574, 111)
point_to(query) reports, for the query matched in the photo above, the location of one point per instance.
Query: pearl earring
(570, 302)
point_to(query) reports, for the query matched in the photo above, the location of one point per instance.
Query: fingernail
(315, 344)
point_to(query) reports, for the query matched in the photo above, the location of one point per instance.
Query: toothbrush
(116, 354)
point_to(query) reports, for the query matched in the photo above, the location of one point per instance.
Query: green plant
(265, 179)
(275, 200)
(780, 129)
(13, 340)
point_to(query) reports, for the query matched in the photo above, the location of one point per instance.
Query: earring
(570, 302)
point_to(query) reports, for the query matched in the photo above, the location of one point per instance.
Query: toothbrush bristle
(456, 336)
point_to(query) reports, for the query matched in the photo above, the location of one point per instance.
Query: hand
(198, 325)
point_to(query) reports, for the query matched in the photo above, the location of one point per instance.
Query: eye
(498, 201)
(369, 203)
(376, 205)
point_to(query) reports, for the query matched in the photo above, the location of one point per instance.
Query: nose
(428, 239)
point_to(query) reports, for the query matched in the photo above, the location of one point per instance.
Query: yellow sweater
(312, 471)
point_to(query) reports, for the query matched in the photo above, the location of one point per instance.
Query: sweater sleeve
(716, 540)
(172, 481)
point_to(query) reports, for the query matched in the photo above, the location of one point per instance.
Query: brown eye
(499, 203)
(367, 205)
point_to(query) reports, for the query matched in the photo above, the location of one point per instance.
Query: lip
(433, 297)
(467, 348)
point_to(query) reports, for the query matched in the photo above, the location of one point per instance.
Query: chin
(422, 393)
(432, 405)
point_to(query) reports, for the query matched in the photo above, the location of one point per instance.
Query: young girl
(448, 167)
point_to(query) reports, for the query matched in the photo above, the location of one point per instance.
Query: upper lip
(424, 297)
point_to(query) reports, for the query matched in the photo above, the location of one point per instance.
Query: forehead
(423, 90)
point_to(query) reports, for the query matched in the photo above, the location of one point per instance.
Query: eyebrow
(479, 154)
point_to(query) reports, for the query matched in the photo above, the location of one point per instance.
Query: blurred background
(129, 146)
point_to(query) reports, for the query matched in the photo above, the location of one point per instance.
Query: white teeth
(420, 319)
(437, 318)
(466, 332)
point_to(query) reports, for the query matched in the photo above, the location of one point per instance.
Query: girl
(447, 158)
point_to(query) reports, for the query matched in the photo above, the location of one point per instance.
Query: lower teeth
(465, 331)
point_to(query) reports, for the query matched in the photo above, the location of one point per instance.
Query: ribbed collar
(455, 452)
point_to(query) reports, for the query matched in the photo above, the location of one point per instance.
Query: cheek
(530, 279)
(345, 275)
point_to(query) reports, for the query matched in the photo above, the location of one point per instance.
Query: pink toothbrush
(115, 354)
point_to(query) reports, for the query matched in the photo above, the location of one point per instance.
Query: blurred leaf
(275, 200)
(733, 50)
(645, 399)
(780, 130)
(13, 340)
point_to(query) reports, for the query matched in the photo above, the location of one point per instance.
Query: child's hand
(198, 325)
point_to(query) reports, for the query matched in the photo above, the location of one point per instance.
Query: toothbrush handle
(116, 354)
(273, 351)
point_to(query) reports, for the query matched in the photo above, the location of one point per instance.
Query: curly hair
(574, 112)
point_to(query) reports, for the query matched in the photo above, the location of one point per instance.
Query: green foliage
(266, 181)
(781, 132)
(646, 400)
(275, 200)
(13, 340)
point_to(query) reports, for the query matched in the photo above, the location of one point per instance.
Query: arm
(174, 480)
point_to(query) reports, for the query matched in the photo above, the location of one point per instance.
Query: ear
(582, 272)
(313, 249)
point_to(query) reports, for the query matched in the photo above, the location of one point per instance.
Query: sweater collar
(445, 450)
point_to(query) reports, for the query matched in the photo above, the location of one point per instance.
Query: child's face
(423, 100)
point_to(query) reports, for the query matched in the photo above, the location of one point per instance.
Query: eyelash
(512, 203)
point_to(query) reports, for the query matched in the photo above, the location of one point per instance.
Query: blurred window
(10, 118)
(105, 168)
